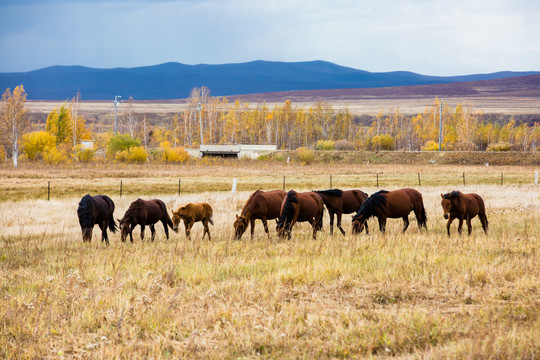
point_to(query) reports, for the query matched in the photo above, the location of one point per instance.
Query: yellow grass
(407, 295)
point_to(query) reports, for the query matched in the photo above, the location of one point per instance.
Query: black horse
(96, 210)
(145, 212)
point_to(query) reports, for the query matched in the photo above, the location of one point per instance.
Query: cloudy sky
(431, 37)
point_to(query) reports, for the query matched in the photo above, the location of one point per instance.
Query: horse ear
(172, 211)
(237, 216)
(442, 196)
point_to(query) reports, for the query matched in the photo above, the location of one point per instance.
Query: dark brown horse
(342, 202)
(391, 204)
(457, 205)
(300, 207)
(263, 205)
(192, 213)
(144, 212)
(96, 210)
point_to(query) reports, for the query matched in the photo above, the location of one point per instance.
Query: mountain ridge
(173, 80)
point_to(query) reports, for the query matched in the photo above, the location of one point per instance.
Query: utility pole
(440, 124)
(199, 107)
(115, 102)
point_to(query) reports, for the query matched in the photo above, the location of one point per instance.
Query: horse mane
(450, 195)
(248, 202)
(288, 209)
(331, 192)
(374, 201)
(85, 212)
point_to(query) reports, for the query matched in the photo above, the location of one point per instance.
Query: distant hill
(175, 80)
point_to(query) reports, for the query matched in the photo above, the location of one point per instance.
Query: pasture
(417, 294)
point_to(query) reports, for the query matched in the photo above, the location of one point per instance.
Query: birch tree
(14, 120)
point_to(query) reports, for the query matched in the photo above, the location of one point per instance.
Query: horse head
(240, 226)
(447, 202)
(177, 216)
(358, 224)
(87, 233)
(283, 227)
(125, 226)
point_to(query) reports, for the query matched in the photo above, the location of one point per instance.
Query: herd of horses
(286, 208)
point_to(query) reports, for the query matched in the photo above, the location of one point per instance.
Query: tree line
(318, 126)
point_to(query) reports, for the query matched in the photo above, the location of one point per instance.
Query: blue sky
(450, 37)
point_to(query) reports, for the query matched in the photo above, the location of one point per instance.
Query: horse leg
(406, 223)
(366, 226)
(252, 224)
(142, 231)
(382, 224)
(206, 229)
(166, 228)
(152, 232)
(188, 230)
(450, 219)
(131, 232)
(469, 225)
(265, 224)
(460, 225)
(331, 222)
(104, 232)
(338, 215)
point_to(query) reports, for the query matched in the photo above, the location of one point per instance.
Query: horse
(192, 213)
(342, 202)
(457, 205)
(96, 210)
(300, 207)
(391, 204)
(144, 212)
(263, 205)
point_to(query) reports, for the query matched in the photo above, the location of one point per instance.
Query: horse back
(310, 205)
(102, 208)
(352, 200)
(402, 202)
(265, 204)
(474, 204)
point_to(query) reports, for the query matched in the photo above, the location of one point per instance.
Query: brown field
(413, 295)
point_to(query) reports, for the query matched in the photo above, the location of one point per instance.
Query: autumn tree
(14, 120)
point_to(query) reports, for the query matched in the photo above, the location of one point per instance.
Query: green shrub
(119, 143)
(135, 154)
(305, 155)
(84, 154)
(35, 143)
(430, 146)
(500, 146)
(325, 145)
(263, 157)
(280, 157)
(382, 142)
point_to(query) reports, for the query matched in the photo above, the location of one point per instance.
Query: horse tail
(423, 216)
(482, 213)
(112, 224)
(165, 215)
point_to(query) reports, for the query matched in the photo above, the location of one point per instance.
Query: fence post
(234, 182)
(120, 188)
(48, 190)
(536, 178)
(501, 179)
(179, 187)
(377, 180)
(283, 182)
(330, 181)
(464, 179)
(419, 183)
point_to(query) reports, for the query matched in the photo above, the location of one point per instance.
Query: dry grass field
(413, 295)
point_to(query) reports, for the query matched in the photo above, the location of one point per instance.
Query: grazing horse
(391, 204)
(300, 207)
(96, 210)
(264, 205)
(342, 202)
(191, 213)
(144, 212)
(457, 205)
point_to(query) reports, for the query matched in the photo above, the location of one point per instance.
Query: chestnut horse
(264, 205)
(96, 210)
(192, 213)
(300, 207)
(457, 205)
(144, 212)
(342, 202)
(391, 204)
